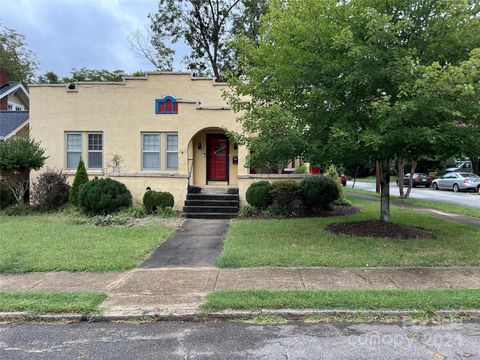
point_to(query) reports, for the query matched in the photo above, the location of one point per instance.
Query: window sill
(89, 172)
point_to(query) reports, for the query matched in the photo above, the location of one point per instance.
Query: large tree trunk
(476, 164)
(401, 174)
(410, 181)
(385, 191)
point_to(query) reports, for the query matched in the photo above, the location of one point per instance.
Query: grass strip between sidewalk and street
(428, 300)
(431, 204)
(46, 302)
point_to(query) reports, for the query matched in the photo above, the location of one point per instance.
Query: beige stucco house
(164, 131)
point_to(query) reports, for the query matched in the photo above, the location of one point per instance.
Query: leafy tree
(81, 177)
(49, 78)
(205, 26)
(340, 77)
(15, 57)
(85, 74)
(18, 156)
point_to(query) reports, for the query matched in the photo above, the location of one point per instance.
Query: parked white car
(457, 182)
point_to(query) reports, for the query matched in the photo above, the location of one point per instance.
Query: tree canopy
(206, 26)
(351, 81)
(84, 74)
(15, 57)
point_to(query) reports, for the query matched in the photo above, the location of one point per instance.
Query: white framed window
(10, 107)
(172, 151)
(151, 151)
(74, 150)
(95, 150)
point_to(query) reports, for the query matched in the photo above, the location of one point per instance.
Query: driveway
(463, 199)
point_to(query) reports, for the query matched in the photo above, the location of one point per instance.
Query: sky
(66, 34)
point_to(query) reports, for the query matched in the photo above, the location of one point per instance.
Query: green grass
(427, 300)
(43, 302)
(57, 242)
(372, 179)
(305, 242)
(432, 204)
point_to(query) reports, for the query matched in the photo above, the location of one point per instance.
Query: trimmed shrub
(258, 194)
(333, 174)
(103, 196)
(150, 201)
(156, 200)
(6, 196)
(81, 178)
(318, 192)
(51, 190)
(165, 200)
(286, 194)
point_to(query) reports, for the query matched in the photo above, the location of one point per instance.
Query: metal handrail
(188, 185)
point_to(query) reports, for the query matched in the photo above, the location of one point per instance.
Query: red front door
(217, 157)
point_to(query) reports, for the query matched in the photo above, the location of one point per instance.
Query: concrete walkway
(181, 290)
(198, 242)
(462, 219)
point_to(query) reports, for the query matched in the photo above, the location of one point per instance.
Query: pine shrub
(81, 178)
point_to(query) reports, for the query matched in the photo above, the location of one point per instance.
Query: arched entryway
(212, 158)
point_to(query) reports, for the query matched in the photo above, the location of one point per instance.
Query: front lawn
(305, 242)
(57, 242)
(44, 302)
(427, 300)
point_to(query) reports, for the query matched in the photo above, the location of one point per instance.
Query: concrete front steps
(211, 203)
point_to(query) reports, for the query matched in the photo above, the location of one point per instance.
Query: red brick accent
(3, 76)
(4, 103)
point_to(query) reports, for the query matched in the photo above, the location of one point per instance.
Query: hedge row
(313, 192)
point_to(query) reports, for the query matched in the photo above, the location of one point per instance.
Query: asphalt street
(462, 198)
(230, 340)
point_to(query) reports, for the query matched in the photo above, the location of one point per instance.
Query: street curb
(288, 314)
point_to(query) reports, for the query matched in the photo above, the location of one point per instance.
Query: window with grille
(172, 151)
(74, 150)
(151, 151)
(95, 150)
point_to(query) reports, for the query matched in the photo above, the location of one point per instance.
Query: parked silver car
(457, 182)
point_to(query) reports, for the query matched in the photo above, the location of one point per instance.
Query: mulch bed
(376, 228)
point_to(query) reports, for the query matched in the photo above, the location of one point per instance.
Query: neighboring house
(165, 131)
(14, 108)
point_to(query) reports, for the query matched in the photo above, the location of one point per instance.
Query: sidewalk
(181, 290)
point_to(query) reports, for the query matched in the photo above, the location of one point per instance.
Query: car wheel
(435, 186)
(456, 188)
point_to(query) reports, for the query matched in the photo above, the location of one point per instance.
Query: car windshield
(421, 175)
(470, 175)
